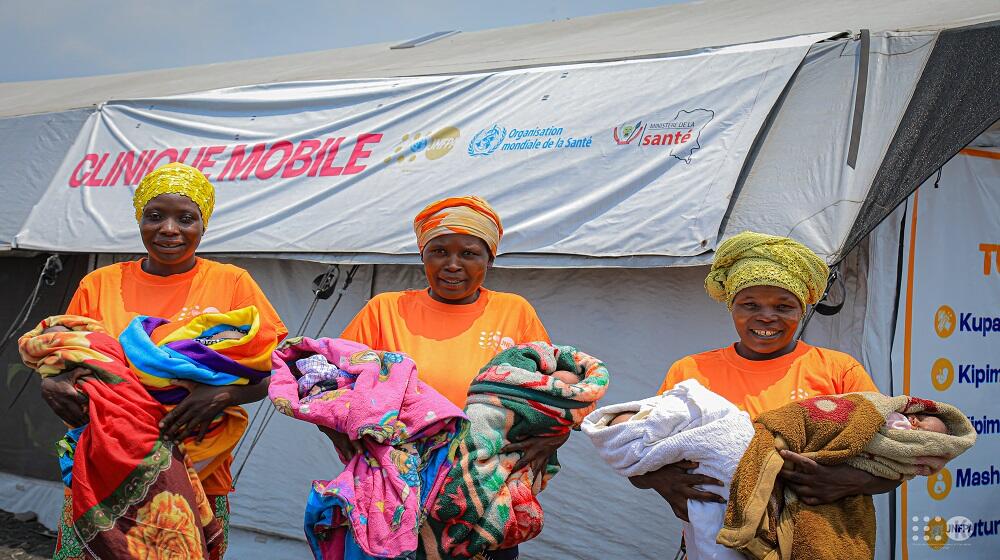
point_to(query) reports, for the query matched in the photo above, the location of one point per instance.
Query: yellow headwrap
(756, 259)
(465, 214)
(176, 178)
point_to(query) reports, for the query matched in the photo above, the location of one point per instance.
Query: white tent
(808, 172)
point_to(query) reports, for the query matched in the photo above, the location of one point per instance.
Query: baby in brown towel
(915, 421)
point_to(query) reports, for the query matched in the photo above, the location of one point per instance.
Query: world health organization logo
(487, 140)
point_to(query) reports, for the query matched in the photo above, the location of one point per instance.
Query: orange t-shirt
(117, 293)
(757, 386)
(449, 343)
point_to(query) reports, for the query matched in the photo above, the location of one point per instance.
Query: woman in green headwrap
(767, 281)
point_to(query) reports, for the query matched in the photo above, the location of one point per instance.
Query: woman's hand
(676, 485)
(930, 464)
(193, 415)
(535, 452)
(62, 396)
(346, 447)
(817, 484)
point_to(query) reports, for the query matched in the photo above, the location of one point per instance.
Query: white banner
(947, 348)
(610, 159)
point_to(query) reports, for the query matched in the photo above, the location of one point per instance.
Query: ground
(24, 540)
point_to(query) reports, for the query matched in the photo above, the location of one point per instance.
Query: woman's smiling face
(455, 265)
(766, 319)
(171, 229)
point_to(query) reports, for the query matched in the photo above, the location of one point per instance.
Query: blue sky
(46, 39)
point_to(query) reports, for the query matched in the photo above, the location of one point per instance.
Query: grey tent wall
(954, 101)
(30, 429)
(33, 146)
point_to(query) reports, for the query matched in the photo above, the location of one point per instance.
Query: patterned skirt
(69, 546)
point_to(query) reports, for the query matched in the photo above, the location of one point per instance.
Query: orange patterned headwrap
(464, 214)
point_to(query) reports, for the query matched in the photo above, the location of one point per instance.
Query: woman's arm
(676, 485)
(817, 484)
(193, 415)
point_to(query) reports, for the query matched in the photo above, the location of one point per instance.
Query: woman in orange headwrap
(453, 327)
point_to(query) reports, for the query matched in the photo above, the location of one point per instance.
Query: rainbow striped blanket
(376, 505)
(168, 357)
(483, 505)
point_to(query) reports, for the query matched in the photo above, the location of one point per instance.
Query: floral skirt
(69, 546)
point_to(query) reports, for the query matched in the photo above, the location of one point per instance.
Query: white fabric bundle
(688, 422)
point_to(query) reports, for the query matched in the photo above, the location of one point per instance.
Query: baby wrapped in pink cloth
(405, 429)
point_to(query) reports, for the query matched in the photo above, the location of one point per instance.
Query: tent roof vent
(424, 39)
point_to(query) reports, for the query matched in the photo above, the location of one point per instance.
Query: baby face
(567, 377)
(927, 423)
(621, 418)
(227, 335)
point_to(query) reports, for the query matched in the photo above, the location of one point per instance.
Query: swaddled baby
(688, 422)
(915, 421)
(317, 375)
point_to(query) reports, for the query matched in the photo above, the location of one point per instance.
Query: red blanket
(134, 494)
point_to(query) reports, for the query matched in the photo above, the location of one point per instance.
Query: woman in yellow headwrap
(767, 281)
(453, 327)
(173, 205)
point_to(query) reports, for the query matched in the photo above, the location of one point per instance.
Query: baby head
(567, 377)
(927, 422)
(227, 335)
(621, 418)
(231, 333)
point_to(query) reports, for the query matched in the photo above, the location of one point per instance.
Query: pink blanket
(405, 428)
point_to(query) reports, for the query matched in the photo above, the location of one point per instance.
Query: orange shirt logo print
(495, 340)
(798, 394)
(194, 311)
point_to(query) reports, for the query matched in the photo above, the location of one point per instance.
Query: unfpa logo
(495, 340)
(433, 146)
(939, 485)
(799, 394)
(937, 532)
(945, 321)
(942, 374)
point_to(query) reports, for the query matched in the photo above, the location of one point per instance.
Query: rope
(321, 287)
(834, 275)
(271, 410)
(340, 294)
(50, 271)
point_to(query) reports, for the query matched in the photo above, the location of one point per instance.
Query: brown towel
(765, 520)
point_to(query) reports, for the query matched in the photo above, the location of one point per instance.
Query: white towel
(688, 422)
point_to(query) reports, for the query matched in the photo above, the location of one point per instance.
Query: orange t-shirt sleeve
(682, 369)
(533, 329)
(247, 292)
(86, 299)
(80, 304)
(364, 327)
(856, 379)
